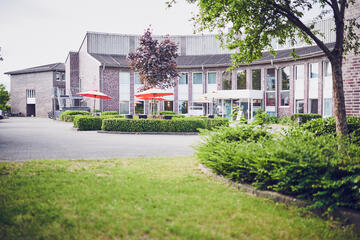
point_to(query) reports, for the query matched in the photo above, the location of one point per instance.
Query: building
(32, 89)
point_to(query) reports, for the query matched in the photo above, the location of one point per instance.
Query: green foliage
(68, 116)
(109, 113)
(298, 164)
(167, 113)
(87, 122)
(235, 112)
(96, 110)
(176, 116)
(262, 118)
(285, 120)
(160, 125)
(4, 97)
(304, 117)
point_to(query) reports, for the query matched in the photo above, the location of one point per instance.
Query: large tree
(4, 97)
(155, 61)
(249, 26)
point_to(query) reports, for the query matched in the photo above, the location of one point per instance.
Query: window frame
(252, 79)
(202, 78)
(237, 79)
(187, 79)
(216, 80)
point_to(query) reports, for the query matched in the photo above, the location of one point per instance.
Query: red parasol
(155, 99)
(94, 94)
(153, 93)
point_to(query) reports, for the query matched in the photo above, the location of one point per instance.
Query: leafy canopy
(155, 61)
(4, 97)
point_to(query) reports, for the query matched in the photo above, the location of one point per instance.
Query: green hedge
(85, 123)
(167, 113)
(68, 116)
(159, 125)
(175, 116)
(299, 164)
(109, 113)
(304, 117)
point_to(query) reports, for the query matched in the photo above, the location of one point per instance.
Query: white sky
(38, 32)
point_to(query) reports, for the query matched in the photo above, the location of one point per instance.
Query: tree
(255, 23)
(4, 97)
(155, 62)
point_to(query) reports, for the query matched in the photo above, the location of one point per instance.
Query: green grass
(158, 198)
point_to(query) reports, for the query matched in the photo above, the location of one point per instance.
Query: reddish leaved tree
(155, 62)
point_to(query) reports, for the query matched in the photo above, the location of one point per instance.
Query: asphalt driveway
(41, 138)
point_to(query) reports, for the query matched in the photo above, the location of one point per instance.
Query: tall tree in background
(155, 62)
(4, 97)
(255, 23)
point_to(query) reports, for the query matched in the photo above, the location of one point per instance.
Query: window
(299, 106)
(124, 78)
(137, 78)
(270, 99)
(197, 78)
(327, 69)
(226, 80)
(299, 72)
(313, 106)
(256, 79)
(241, 79)
(284, 98)
(183, 78)
(285, 78)
(139, 107)
(168, 106)
(124, 107)
(57, 76)
(327, 107)
(63, 76)
(212, 78)
(183, 107)
(270, 79)
(314, 70)
(30, 93)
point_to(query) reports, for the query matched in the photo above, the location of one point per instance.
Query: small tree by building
(155, 62)
(4, 97)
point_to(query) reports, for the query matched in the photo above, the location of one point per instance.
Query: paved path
(41, 138)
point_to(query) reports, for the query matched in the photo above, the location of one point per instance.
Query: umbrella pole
(94, 105)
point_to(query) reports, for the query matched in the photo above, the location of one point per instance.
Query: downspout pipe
(102, 87)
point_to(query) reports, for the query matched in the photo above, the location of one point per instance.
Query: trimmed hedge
(84, 123)
(159, 125)
(109, 113)
(68, 116)
(167, 113)
(299, 164)
(304, 117)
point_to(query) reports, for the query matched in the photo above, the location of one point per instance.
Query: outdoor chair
(129, 116)
(168, 117)
(210, 116)
(143, 116)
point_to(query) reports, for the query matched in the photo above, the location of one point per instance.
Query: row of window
(60, 76)
(313, 106)
(139, 107)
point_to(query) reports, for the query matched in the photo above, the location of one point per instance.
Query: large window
(270, 79)
(124, 107)
(313, 70)
(30, 93)
(299, 106)
(183, 107)
(313, 106)
(168, 106)
(327, 107)
(241, 79)
(299, 72)
(137, 78)
(183, 78)
(197, 78)
(256, 79)
(270, 99)
(139, 107)
(212, 78)
(327, 69)
(226, 80)
(285, 86)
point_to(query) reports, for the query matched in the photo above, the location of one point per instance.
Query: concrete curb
(345, 216)
(150, 133)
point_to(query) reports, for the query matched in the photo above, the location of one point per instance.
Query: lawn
(143, 198)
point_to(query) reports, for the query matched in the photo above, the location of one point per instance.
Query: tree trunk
(338, 96)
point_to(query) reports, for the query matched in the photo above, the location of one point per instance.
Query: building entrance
(30, 110)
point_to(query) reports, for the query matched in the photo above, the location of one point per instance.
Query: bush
(299, 164)
(68, 116)
(167, 113)
(175, 116)
(285, 120)
(304, 117)
(159, 125)
(83, 122)
(109, 113)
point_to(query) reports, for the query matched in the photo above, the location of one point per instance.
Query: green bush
(91, 123)
(109, 113)
(285, 120)
(167, 113)
(176, 116)
(298, 164)
(68, 116)
(160, 125)
(304, 117)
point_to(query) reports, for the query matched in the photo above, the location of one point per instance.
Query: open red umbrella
(153, 93)
(95, 94)
(156, 99)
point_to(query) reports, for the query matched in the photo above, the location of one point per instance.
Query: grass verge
(143, 198)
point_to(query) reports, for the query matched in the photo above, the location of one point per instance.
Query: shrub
(167, 113)
(109, 113)
(175, 116)
(298, 164)
(304, 117)
(91, 123)
(159, 125)
(68, 116)
(285, 120)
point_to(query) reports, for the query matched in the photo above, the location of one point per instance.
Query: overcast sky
(38, 32)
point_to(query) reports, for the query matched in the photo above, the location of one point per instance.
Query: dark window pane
(284, 98)
(241, 79)
(168, 106)
(270, 79)
(226, 80)
(256, 79)
(270, 99)
(285, 78)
